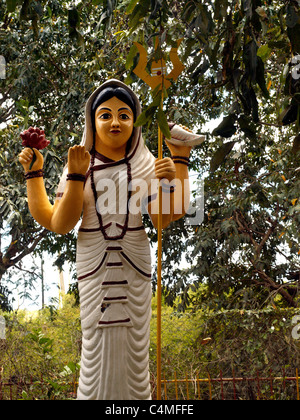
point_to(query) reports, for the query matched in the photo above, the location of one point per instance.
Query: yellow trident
(158, 69)
(159, 80)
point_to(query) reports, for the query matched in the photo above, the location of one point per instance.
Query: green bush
(42, 350)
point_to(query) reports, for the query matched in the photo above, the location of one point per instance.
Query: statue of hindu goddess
(107, 178)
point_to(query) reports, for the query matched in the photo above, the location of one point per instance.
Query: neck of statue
(115, 154)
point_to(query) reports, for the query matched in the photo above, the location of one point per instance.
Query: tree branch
(270, 124)
(266, 237)
(278, 288)
(5, 116)
(55, 64)
(244, 228)
(32, 273)
(28, 251)
(5, 95)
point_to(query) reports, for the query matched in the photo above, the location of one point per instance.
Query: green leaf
(264, 52)
(131, 6)
(220, 10)
(130, 57)
(254, 105)
(227, 127)
(260, 77)
(44, 340)
(294, 35)
(163, 123)
(250, 58)
(135, 17)
(38, 8)
(142, 119)
(290, 114)
(138, 14)
(296, 145)
(11, 5)
(155, 7)
(292, 17)
(24, 10)
(25, 395)
(73, 17)
(109, 7)
(72, 366)
(247, 127)
(204, 22)
(262, 199)
(220, 155)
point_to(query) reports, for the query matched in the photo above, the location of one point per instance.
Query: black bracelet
(76, 177)
(181, 159)
(34, 174)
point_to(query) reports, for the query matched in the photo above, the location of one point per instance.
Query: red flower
(34, 137)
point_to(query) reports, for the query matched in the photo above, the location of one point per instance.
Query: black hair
(111, 92)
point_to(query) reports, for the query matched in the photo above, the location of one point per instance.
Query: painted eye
(105, 116)
(124, 117)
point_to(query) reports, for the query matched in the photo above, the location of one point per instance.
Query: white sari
(114, 273)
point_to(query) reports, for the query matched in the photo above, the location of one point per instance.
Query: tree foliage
(241, 66)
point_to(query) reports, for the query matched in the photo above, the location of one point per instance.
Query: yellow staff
(159, 80)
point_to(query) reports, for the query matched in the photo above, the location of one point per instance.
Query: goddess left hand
(179, 150)
(165, 169)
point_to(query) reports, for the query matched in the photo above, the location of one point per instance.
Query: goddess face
(114, 121)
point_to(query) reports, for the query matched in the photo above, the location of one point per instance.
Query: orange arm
(64, 215)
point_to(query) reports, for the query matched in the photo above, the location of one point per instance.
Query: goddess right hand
(26, 156)
(78, 160)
